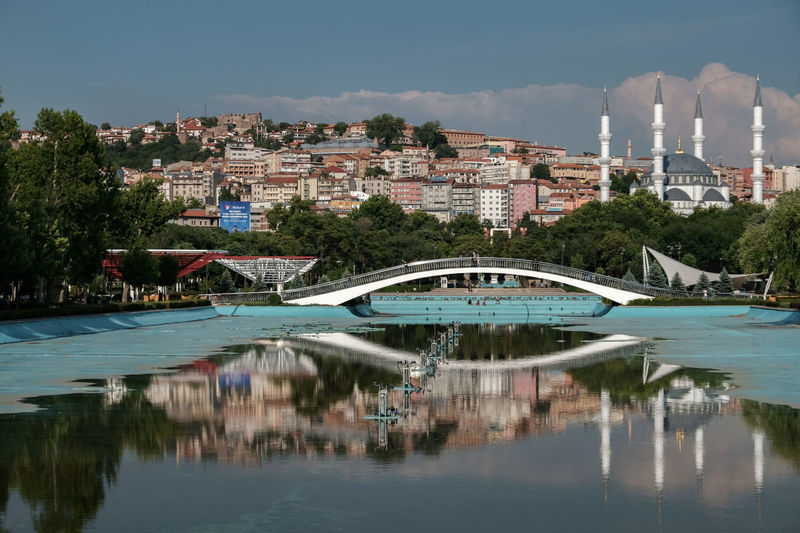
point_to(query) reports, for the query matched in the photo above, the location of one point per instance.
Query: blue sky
(128, 63)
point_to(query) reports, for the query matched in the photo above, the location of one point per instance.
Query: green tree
(13, 252)
(657, 277)
(429, 134)
(383, 213)
(464, 224)
(703, 286)
(66, 198)
(137, 134)
(385, 128)
(142, 210)
(288, 138)
(225, 195)
(225, 282)
(375, 172)
(630, 277)
(623, 184)
(677, 283)
(783, 233)
(259, 285)
(168, 269)
(689, 260)
(105, 126)
(138, 267)
(541, 172)
(577, 261)
(339, 128)
(725, 283)
(445, 151)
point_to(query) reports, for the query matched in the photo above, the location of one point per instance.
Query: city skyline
(519, 71)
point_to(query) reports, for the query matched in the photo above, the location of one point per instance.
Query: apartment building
(522, 199)
(465, 199)
(407, 193)
(494, 205)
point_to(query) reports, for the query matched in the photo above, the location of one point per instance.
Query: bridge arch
(341, 291)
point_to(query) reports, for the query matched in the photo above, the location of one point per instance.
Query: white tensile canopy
(689, 275)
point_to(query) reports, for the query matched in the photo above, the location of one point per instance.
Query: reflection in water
(281, 397)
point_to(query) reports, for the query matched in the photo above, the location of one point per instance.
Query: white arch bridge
(343, 290)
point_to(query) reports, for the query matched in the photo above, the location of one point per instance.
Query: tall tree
(677, 283)
(429, 134)
(12, 244)
(725, 284)
(444, 151)
(68, 198)
(386, 128)
(339, 128)
(541, 172)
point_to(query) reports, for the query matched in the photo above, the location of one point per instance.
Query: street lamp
(562, 253)
(435, 249)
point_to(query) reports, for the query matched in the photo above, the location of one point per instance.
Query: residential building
(521, 198)
(494, 205)
(459, 138)
(465, 199)
(407, 193)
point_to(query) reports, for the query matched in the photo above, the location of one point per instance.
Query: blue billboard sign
(234, 216)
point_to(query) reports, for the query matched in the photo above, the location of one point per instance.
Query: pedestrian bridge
(343, 290)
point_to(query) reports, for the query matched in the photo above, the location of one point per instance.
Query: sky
(526, 69)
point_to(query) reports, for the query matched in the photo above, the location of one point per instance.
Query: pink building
(522, 197)
(407, 193)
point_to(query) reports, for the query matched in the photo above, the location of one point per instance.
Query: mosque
(684, 180)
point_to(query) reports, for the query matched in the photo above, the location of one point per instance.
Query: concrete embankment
(48, 328)
(294, 311)
(766, 315)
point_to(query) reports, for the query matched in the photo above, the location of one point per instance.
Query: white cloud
(567, 114)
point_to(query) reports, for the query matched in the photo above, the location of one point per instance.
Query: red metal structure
(188, 260)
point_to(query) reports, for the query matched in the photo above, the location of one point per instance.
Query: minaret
(758, 149)
(698, 136)
(629, 149)
(658, 455)
(658, 150)
(178, 121)
(605, 159)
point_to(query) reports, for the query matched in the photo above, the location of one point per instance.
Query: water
(253, 426)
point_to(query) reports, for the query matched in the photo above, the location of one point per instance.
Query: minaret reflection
(699, 452)
(658, 452)
(758, 470)
(605, 439)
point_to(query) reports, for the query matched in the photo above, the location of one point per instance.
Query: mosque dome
(682, 164)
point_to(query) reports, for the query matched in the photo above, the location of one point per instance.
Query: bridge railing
(487, 262)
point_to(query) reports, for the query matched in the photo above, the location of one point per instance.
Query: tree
(429, 134)
(288, 138)
(725, 284)
(225, 281)
(168, 269)
(225, 195)
(519, 150)
(259, 285)
(105, 126)
(138, 267)
(576, 261)
(383, 213)
(67, 198)
(541, 172)
(142, 210)
(657, 277)
(783, 233)
(689, 260)
(137, 134)
(339, 128)
(385, 128)
(677, 283)
(464, 224)
(703, 286)
(623, 184)
(445, 151)
(629, 277)
(375, 172)
(13, 248)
